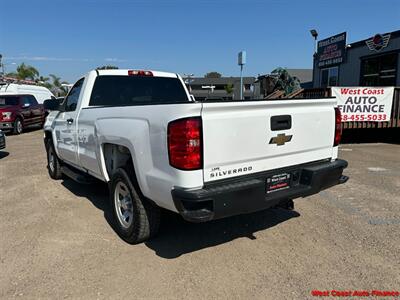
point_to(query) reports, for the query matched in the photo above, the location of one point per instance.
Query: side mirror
(51, 104)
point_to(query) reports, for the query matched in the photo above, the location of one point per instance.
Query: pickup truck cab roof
(125, 72)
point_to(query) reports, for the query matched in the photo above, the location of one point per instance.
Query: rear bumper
(248, 193)
(6, 125)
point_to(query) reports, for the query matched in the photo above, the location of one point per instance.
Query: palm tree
(58, 85)
(43, 81)
(25, 72)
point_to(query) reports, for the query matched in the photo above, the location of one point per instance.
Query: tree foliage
(27, 72)
(229, 88)
(58, 86)
(213, 75)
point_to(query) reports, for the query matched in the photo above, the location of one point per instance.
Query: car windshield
(8, 100)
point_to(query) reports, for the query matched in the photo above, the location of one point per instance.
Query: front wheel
(136, 218)
(18, 127)
(53, 163)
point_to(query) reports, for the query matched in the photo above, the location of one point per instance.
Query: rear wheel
(18, 127)
(53, 163)
(136, 218)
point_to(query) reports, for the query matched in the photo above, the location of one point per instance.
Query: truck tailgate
(253, 136)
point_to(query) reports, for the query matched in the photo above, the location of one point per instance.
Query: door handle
(281, 122)
(70, 121)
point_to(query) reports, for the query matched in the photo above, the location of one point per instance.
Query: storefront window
(379, 70)
(329, 77)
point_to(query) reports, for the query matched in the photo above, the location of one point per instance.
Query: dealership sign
(331, 51)
(378, 42)
(373, 104)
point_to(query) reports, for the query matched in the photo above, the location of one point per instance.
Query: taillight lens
(185, 143)
(139, 73)
(338, 127)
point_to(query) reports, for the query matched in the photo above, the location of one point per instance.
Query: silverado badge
(280, 139)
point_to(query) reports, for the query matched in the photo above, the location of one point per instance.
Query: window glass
(112, 90)
(25, 100)
(329, 77)
(324, 77)
(333, 76)
(73, 96)
(379, 71)
(32, 100)
(9, 100)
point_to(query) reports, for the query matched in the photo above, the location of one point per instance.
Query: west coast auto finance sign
(372, 104)
(331, 51)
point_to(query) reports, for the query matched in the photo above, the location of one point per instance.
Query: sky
(70, 37)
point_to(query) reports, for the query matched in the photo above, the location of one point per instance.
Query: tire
(53, 162)
(136, 219)
(18, 126)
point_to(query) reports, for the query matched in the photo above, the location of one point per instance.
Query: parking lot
(56, 241)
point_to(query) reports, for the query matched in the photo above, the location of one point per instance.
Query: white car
(141, 132)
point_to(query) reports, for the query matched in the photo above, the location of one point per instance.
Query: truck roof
(124, 72)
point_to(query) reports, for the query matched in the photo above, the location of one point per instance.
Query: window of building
(379, 70)
(329, 77)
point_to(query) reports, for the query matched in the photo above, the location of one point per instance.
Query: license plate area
(281, 181)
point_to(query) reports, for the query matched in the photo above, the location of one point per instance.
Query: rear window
(8, 100)
(112, 90)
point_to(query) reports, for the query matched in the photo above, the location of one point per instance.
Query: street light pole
(314, 34)
(241, 62)
(241, 82)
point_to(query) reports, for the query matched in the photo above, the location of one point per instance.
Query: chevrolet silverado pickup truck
(157, 147)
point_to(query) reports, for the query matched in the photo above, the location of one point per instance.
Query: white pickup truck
(143, 133)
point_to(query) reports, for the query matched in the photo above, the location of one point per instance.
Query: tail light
(139, 73)
(338, 127)
(185, 144)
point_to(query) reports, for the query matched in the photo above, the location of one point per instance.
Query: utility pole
(241, 62)
(1, 65)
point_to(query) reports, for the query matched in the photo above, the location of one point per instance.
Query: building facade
(374, 61)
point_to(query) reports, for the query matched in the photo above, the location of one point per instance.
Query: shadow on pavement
(97, 193)
(178, 237)
(4, 154)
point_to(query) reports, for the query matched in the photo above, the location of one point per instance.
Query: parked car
(20, 111)
(2, 140)
(141, 132)
(39, 92)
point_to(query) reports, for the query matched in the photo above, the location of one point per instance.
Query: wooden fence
(394, 118)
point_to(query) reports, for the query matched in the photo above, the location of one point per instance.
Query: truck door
(65, 125)
(36, 110)
(26, 110)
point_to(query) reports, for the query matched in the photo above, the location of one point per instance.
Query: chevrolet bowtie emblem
(281, 139)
